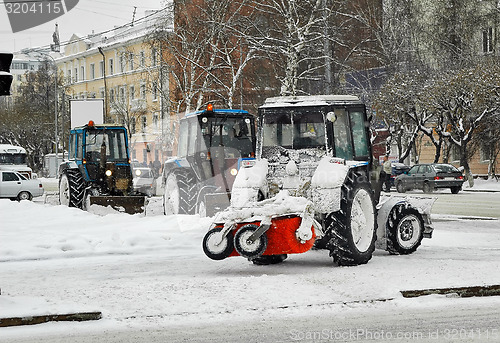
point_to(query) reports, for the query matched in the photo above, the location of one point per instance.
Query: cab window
(182, 148)
(359, 134)
(10, 177)
(342, 135)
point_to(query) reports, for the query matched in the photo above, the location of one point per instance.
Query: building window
(122, 94)
(488, 40)
(144, 123)
(153, 57)
(485, 152)
(122, 64)
(155, 90)
(134, 154)
(143, 91)
(131, 61)
(92, 71)
(112, 95)
(76, 74)
(111, 68)
(82, 73)
(101, 68)
(132, 126)
(132, 92)
(155, 120)
(142, 59)
(69, 76)
(102, 93)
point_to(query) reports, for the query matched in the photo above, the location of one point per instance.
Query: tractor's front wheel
(353, 227)
(245, 246)
(71, 189)
(178, 197)
(405, 230)
(216, 247)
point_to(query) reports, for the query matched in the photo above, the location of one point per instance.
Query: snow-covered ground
(483, 185)
(146, 270)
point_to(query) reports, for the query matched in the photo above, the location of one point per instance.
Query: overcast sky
(88, 15)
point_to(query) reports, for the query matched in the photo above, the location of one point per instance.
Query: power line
(108, 31)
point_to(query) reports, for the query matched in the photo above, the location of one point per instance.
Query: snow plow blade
(216, 202)
(127, 204)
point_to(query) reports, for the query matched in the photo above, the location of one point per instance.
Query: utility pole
(105, 84)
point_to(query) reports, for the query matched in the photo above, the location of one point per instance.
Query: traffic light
(5, 75)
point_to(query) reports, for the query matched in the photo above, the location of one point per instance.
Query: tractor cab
(336, 126)
(213, 144)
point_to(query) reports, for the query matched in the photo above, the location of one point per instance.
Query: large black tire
(179, 196)
(246, 249)
(353, 227)
(221, 251)
(71, 189)
(456, 189)
(405, 230)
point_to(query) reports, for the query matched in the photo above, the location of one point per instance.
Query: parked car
(15, 186)
(429, 177)
(144, 181)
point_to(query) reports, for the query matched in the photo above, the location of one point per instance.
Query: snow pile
(279, 205)
(483, 185)
(40, 236)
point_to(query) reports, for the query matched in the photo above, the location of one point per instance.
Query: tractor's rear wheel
(353, 227)
(405, 230)
(71, 189)
(179, 197)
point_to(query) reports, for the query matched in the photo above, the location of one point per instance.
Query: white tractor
(313, 184)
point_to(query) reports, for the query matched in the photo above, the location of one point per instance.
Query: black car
(429, 177)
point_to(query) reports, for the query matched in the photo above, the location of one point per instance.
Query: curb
(480, 190)
(463, 292)
(32, 320)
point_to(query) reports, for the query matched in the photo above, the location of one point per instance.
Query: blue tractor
(98, 170)
(213, 144)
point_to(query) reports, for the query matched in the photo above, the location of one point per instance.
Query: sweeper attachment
(313, 185)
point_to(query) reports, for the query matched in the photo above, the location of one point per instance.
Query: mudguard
(422, 204)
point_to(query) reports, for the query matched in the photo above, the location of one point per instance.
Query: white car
(144, 181)
(16, 187)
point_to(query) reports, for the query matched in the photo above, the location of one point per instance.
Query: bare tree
(466, 98)
(30, 121)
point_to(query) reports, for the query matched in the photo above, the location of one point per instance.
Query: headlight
(108, 172)
(138, 172)
(234, 172)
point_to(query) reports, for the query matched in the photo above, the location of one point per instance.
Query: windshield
(295, 130)
(445, 168)
(13, 159)
(114, 142)
(229, 132)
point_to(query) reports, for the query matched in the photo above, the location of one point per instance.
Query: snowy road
(149, 277)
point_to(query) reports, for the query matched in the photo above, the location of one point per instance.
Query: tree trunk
(465, 163)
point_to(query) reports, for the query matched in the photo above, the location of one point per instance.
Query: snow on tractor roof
(11, 149)
(313, 100)
(218, 110)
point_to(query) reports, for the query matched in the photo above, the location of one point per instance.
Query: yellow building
(123, 68)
